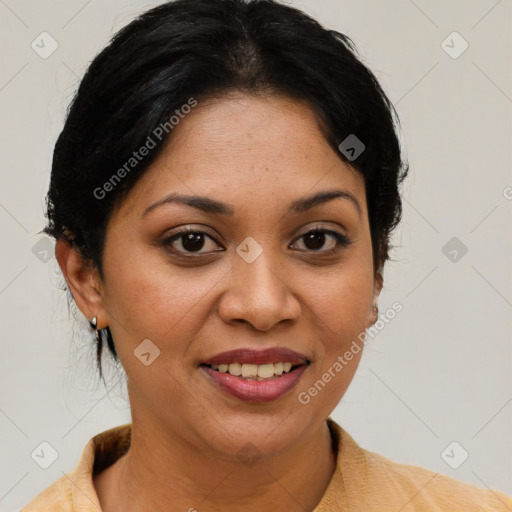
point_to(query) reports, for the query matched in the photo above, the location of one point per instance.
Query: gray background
(439, 372)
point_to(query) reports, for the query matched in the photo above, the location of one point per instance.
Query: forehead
(246, 148)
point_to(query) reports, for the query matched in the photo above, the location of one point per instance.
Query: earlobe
(82, 278)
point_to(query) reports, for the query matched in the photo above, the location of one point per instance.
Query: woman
(222, 196)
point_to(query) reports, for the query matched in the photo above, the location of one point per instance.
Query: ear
(83, 281)
(378, 283)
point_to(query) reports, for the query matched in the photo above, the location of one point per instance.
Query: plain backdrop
(439, 372)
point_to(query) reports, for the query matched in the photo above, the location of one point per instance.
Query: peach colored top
(363, 481)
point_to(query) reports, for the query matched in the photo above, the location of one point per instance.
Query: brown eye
(317, 239)
(189, 241)
(192, 241)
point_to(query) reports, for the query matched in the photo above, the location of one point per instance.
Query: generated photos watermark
(304, 397)
(159, 133)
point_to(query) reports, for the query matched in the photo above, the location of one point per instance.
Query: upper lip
(252, 356)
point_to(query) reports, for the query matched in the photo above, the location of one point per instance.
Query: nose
(258, 294)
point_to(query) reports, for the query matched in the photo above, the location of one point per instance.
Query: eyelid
(322, 227)
(194, 228)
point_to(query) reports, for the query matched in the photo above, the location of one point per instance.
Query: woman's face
(252, 279)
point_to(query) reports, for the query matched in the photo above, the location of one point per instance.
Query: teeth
(235, 369)
(249, 370)
(254, 371)
(265, 370)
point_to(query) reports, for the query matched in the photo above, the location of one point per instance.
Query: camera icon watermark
(146, 352)
(44, 455)
(454, 249)
(351, 147)
(249, 249)
(454, 455)
(44, 249)
(454, 45)
(44, 45)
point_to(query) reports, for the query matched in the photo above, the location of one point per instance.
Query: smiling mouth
(256, 372)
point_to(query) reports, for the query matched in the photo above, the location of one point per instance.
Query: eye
(316, 239)
(190, 241)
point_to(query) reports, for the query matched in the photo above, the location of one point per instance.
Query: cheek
(342, 302)
(341, 315)
(341, 308)
(146, 297)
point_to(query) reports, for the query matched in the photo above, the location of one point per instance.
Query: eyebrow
(213, 206)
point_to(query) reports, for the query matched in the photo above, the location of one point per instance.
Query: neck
(161, 468)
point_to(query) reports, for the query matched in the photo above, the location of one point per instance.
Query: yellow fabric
(362, 482)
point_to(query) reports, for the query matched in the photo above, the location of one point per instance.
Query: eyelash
(342, 240)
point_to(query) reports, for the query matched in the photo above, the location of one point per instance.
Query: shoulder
(423, 489)
(75, 491)
(408, 488)
(55, 498)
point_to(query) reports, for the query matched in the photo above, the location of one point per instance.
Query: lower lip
(256, 391)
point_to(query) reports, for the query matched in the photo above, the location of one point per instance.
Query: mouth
(256, 376)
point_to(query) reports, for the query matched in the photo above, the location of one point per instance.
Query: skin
(257, 154)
